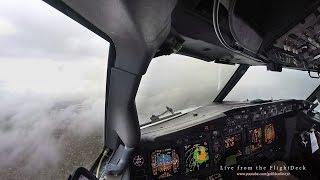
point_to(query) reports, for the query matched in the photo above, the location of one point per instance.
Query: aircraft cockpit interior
(239, 133)
(237, 139)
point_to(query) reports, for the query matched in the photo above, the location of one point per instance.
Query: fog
(181, 82)
(44, 102)
(52, 92)
(258, 83)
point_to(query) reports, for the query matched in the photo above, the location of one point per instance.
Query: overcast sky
(181, 82)
(52, 80)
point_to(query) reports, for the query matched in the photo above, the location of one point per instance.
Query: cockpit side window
(52, 92)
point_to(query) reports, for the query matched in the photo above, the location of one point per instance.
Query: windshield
(179, 82)
(258, 83)
(52, 92)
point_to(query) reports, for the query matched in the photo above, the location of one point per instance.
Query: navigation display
(164, 162)
(255, 139)
(232, 141)
(196, 157)
(269, 134)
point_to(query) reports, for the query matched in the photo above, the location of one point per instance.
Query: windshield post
(313, 95)
(241, 70)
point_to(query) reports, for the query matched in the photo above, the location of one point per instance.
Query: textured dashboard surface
(193, 118)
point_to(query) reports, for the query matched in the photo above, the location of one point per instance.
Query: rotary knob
(138, 160)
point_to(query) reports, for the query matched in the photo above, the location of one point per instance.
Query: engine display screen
(255, 139)
(164, 163)
(232, 141)
(269, 134)
(196, 157)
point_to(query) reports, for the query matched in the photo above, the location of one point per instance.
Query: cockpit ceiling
(235, 31)
(256, 32)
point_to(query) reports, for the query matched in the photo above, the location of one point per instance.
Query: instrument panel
(244, 135)
(299, 46)
(164, 162)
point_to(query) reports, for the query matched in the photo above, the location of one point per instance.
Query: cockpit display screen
(255, 139)
(164, 163)
(232, 141)
(269, 134)
(196, 157)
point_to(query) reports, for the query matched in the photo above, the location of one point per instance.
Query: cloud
(7, 28)
(52, 92)
(46, 76)
(44, 32)
(41, 105)
(180, 82)
(258, 83)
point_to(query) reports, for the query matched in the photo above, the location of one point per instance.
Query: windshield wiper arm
(155, 118)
